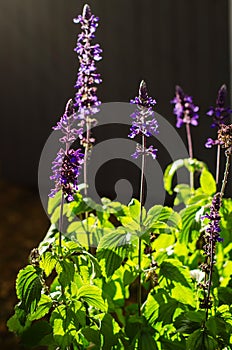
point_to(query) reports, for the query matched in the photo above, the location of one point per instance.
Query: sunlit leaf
(28, 287)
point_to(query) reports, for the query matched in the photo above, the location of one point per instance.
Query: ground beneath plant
(23, 224)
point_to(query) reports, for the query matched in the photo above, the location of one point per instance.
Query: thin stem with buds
(228, 154)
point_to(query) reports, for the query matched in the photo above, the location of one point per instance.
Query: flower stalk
(144, 124)
(220, 114)
(212, 232)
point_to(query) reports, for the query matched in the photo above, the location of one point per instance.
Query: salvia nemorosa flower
(67, 164)
(86, 100)
(219, 113)
(144, 121)
(185, 110)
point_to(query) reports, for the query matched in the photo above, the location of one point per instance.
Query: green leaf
(110, 261)
(207, 182)
(173, 270)
(34, 335)
(160, 307)
(170, 172)
(189, 163)
(66, 271)
(48, 262)
(134, 208)
(172, 344)
(183, 193)
(185, 325)
(54, 202)
(62, 321)
(146, 341)
(117, 238)
(184, 295)
(42, 309)
(28, 287)
(200, 340)
(190, 222)
(161, 214)
(92, 296)
(92, 335)
(18, 322)
(225, 295)
(109, 330)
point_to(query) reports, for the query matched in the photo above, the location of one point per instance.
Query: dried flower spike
(225, 135)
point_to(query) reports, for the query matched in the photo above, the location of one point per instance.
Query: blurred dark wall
(164, 42)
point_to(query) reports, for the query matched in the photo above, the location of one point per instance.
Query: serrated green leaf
(190, 223)
(92, 335)
(207, 182)
(134, 209)
(173, 270)
(117, 238)
(160, 214)
(200, 340)
(62, 321)
(28, 287)
(18, 322)
(34, 335)
(42, 308)
(184, 295)
(160, 307)
(66, 272)
(48, 262)
(92, 295)
(109, 260)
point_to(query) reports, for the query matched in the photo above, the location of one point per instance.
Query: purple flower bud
(220, 112)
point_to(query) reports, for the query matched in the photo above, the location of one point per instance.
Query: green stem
(190, 149)
(141, 199)
(224, 182)
(61, 222)
(218, 163)
(85, 175)
(226, 172)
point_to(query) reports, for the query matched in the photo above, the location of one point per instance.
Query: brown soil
(23, 225)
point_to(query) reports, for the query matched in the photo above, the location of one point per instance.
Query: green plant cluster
(75, 297)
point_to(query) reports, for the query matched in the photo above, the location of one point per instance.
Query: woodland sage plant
(119, 276)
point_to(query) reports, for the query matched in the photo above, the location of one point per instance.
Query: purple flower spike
(184, 109)
(66, 169)
(144, 122)
(67, 164)
(220, 112)
(88, 53)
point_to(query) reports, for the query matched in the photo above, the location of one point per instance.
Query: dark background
(165, 42)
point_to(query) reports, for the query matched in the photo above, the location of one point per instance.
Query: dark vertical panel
(165, 42)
